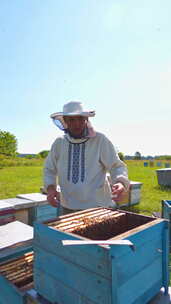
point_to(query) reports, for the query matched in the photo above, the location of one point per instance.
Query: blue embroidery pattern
(83, 162)
(69, 160)
(75, 163)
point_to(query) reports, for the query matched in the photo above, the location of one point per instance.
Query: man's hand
(118, 191)
(53, 196)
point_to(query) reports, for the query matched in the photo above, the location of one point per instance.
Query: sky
(114, 56)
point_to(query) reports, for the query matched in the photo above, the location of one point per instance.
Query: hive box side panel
(143, 286)
(135, 262)
(56, 291)
(95, 258)
(22, 215)
(77, 271)
(9, 293)
(166, 213)
(46, 212)
(142, 273)
(70, 279)
(41, 213)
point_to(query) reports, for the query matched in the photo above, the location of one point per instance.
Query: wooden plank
(76, 225)
(94, 242)
(81, 214)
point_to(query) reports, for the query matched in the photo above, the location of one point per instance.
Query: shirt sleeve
(50, 168)
(112, 163)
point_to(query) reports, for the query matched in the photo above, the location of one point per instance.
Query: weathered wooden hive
(102, 274)
(16, 277)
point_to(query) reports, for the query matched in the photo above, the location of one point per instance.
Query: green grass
(151, 193)
(19, 180)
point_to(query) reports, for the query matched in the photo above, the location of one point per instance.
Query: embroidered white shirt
(80, 166)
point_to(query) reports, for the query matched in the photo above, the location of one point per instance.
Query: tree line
(8, 147)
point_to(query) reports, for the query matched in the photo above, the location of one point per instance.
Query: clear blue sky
(114, 56)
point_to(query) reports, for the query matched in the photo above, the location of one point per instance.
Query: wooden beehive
(90, 274)
(42, 213)
(132, 196)
(16, 277)
(166, 213)
(164, 177)
(7, 213)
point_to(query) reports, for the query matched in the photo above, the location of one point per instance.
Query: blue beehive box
(101, 274)
(16, 280)
(166, 213)
(42, 213)
(16, 277)
(15, 247)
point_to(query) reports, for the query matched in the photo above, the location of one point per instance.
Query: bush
(15, 162)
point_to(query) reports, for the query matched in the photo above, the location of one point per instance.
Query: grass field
(28, 179)
(17, 180)
(151, 193)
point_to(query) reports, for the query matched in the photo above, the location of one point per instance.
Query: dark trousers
(64, 211)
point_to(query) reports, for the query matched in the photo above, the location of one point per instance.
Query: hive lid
(14, 235)
(6, 206)
(37, 198)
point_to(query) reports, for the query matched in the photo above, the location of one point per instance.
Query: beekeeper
(84, 163)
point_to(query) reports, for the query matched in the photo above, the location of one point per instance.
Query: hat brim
(59, 115)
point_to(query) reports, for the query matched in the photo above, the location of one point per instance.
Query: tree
(121, 156)
(43, 154)
(8, 143)
(137, 155)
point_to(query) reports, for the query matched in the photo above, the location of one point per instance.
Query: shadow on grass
(163, 188)
(134, 209)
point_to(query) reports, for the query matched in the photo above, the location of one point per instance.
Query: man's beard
(82, 135)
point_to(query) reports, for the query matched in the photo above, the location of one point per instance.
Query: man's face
(76, 124)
